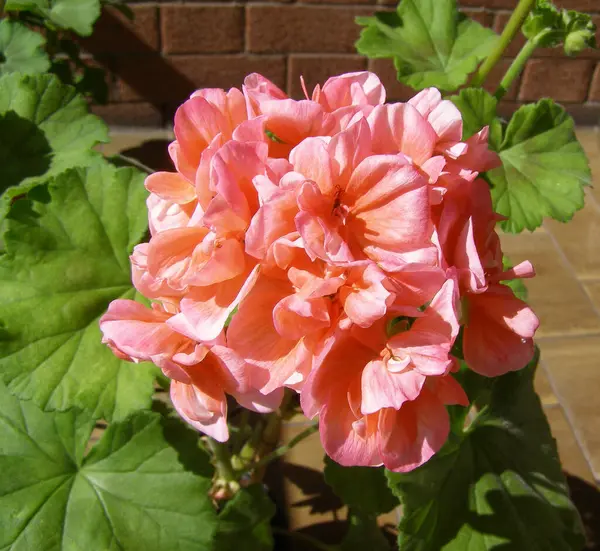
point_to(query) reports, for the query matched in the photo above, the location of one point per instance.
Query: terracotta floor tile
(573, 364)
(555, 294)
(578, 239)
(544, 389)
(589, 138)
(571, 456)
(310, 500)
(593, 289)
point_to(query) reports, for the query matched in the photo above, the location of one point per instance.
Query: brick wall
(174, 47)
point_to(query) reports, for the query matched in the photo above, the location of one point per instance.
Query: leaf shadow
(319, 495)
(24, 150)
(152, 153)
(185, 440)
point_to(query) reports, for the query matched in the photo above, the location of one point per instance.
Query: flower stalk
(222, 459)
(515, 68)
(510, 31)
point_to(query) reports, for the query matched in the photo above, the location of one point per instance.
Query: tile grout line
(571, 270)
(566, 411)
(570, 421)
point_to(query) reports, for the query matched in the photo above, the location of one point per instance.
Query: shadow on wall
(142, 74)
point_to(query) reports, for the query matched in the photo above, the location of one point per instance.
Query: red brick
(561, 79)
(301, 28)
(484, 17)
(115, 34)
(518, 41)
(495, 77)
(586, 114)
(346, 2)
(129, 114)
(173, 79)
(385, 70)
(581, 5)
(507, 108)
(476, 3)
(595, 88)
(188, 29)
(317, 69)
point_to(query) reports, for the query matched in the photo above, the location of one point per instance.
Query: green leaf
(544, 168)
(547, 27)
(501, 488)
(364, 533)
(66, 260)
(432, 44)
(244, 523)
(364, 489)
(478, 109)
(21, 49)
(76, 15)
(45, 128)
(129, 493)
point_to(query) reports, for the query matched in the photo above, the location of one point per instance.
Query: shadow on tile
(152, 153)
(586, 497)
(312, 510)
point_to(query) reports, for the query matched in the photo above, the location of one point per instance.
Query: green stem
(282, 450)
(515, 68)
(305, 537)
(134, 162)
(222, 460)
(512, 28)
(248, 451)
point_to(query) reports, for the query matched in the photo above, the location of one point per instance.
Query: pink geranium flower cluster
(333, 245)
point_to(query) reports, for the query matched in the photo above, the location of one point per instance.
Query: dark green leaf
(544, 168)
(364, 489)
(76, 15)
(45, 128)
(63, 70)
(430, 42)
(92, 83)
(364, 533)
(244, 522)
(67, 258)
(21, 49)
(130, 493)
(502, 487)
(478, 109)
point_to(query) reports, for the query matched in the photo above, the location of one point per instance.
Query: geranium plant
(336, 255)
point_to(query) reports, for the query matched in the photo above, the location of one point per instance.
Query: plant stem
(515, 68)
(222, 460)
(282, 450)
(134, 162)
(512, 28)
(305, 537)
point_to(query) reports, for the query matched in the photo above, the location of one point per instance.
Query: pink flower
(335, 245)
(386, 405)
(200, 378)
(499, 328)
